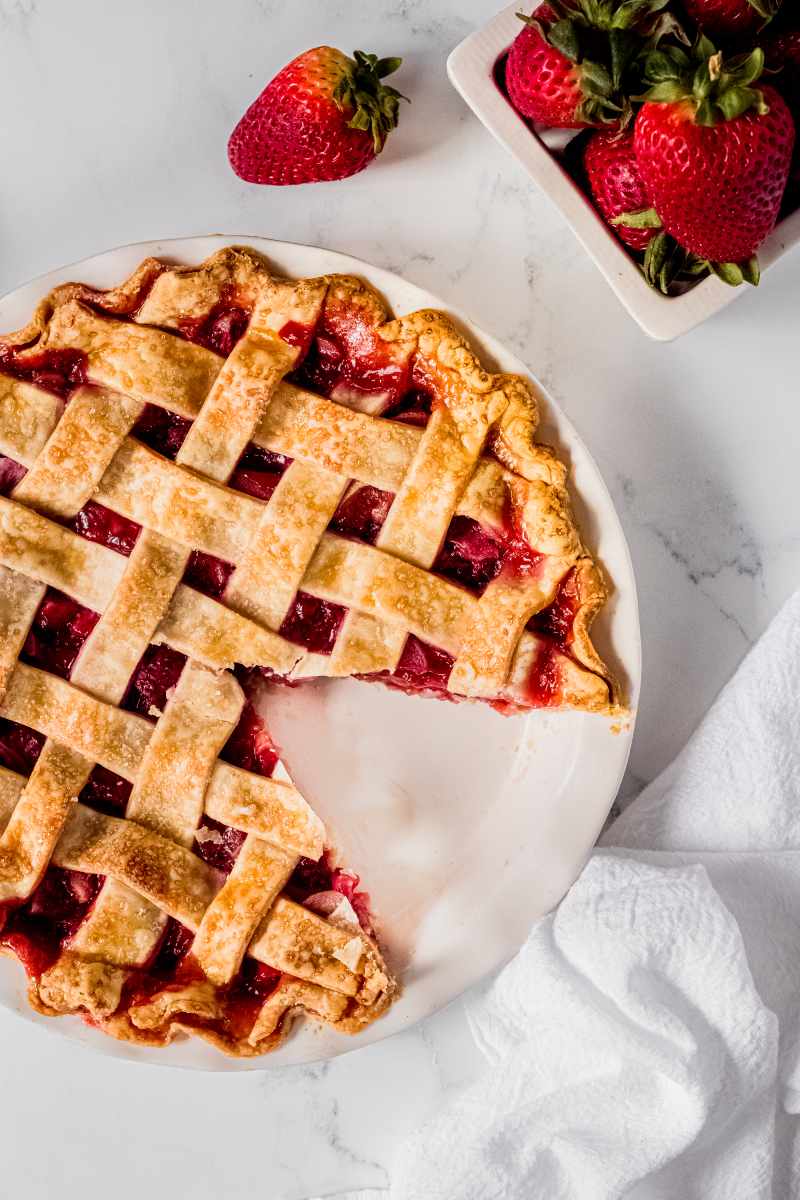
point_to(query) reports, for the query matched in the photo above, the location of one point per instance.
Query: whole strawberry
(324, 116)
(714, 152)
(616, 184)
(543, 84)
(727, 18)
(566, 69)
(782, 57)
(783, 61)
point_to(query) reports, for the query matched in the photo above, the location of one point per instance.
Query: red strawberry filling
(348, 361)
(161, 430)
(297, 335)
(19, 747)
(313, 623)
(543, 685)
(414, 408)
(158, 671)
(557, 621)
(37, 930)
(207, 574)
(362, 513)
(258, 472)
(59, 629)
(57, 371)
(107, 792)
(97, 523)
(10, 474)
(220, 329)
(470, 555)
(422, 669)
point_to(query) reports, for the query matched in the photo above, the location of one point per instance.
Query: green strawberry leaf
(374, 105)
(387, 66)
(661, 67)
(624, 47)
(748, 69)
(766, 8)
(705, 114)
(705, 76)
(751, 271)
(667, 263)
(646, 218)
(666, 25)
(738, 100)
(630, 13)
(719, 90)
(655, 257)
(696, 266)
(668, 92)
(704, 47)
(564, 37)
(730, 273)
(595, 80)
(736, 273)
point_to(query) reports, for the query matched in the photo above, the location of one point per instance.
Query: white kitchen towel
(644, 1043)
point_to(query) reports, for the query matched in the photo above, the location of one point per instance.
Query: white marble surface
(116, 118)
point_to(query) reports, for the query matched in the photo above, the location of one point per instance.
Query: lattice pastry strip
(285, 538)
(68, 469)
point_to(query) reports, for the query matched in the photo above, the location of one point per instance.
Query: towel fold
(645, 1042)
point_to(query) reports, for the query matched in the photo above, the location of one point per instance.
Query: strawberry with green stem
(714, 154)
(619, 192)
(324, 116)
(569, 67)
(616, 184)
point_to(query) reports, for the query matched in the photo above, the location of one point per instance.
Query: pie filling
(348, 361)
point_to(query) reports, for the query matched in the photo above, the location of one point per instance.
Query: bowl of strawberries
(663, 130)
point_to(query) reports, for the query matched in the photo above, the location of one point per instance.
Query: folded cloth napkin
(644, 1042)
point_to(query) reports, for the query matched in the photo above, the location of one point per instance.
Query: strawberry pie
(215, 481)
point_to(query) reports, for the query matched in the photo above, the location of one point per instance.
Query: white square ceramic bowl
(470, 67)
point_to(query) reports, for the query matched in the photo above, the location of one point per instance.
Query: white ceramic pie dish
(466, 825)
(470, 68)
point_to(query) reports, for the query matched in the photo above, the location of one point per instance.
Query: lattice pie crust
(342, 404)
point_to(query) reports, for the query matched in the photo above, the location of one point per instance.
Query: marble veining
(116, 122)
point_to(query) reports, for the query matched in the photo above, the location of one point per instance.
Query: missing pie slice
(213, 477)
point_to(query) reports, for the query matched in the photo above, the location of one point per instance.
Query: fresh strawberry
(619, 192)
(567, 67)
(543, 84)
(616, 184)
(782, 56)
(714, 153)
(324, 116)
(727, 18)
(783, 61)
